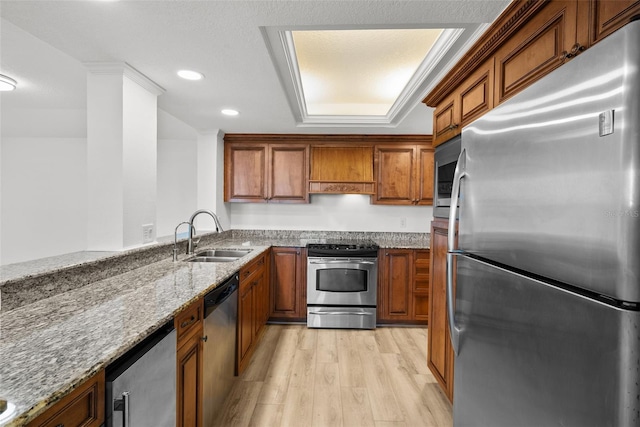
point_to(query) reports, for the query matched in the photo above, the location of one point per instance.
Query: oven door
(342, 281)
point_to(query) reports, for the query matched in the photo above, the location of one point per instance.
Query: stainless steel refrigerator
(545, 320)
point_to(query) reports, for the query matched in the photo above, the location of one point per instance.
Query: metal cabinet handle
(458, 175)
(122, 405)
(205, 338)
(189, 322)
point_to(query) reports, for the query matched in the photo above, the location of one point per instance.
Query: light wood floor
(337, 377)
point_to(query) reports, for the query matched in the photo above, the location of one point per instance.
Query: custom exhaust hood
(341, 170)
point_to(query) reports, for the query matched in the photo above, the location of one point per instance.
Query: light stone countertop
(50, 346)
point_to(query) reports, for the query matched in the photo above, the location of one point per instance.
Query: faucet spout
(190, 245)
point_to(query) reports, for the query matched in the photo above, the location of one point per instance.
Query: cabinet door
(421, 260)
(245, 173)
(536, 49)
(394, 170)
(424, 175)
(397, 285)
(610, 15)
(289, 173)
(189, 382)
(84, 406)
(446, 119)
(260, 292)
(439, 357)
(476, 93)
(287, 293)
(245, 321)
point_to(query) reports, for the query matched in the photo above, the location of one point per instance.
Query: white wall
(44, 197)
(177, 173)
(140, 142)
(331, 212)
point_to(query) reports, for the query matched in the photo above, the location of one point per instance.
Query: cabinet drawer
(248, 271)
(82, 407)
(188, 320)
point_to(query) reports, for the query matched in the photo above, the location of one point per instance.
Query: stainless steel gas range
(342, 280)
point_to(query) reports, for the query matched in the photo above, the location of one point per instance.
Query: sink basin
(211, 259)
(224, 253)
(219, 255)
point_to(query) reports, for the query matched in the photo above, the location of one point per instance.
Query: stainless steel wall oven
(342, 282)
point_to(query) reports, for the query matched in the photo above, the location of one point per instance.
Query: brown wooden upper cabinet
(404, 174)
(262, 172)
(470, 100)
(526, 42)
(344, 169)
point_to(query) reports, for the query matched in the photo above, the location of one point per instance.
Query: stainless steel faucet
(175, 238)
(190, 245)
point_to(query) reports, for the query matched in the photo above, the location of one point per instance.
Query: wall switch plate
(403, 222)
(147, 233)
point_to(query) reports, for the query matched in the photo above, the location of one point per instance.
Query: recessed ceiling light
(229, 112)
(7, 83)
(190, 75)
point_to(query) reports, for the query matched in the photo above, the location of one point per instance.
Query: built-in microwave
(446, 157)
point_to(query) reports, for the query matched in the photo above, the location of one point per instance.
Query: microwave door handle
(458, 175)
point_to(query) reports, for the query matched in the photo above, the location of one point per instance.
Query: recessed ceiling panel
(358, 72)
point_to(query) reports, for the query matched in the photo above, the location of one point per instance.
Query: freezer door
(552, 181)
(531, 354)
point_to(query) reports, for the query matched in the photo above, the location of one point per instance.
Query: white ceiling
(233, 43)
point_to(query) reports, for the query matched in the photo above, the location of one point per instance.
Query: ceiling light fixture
(190, 75)
(229, 112)
(7, 83)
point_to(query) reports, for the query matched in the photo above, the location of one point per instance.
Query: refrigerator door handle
(459, 173)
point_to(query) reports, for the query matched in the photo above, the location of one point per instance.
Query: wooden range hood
(341, 170)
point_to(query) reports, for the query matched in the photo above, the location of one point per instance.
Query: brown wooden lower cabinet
(253, 297)
(403, 285)
(288, 284)
(189, 366)
(83, 407)
(440, 357)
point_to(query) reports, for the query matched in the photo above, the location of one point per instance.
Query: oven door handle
(323, 313)
(341, 261)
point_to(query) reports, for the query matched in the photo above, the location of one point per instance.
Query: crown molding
(124, 69)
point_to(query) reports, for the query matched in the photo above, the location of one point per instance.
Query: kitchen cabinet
(421, 277)
(252, 297)
(470, 100)
(342, 169)
(288, 284)
(84, 406)
(404, 174)
(541, 45)
(440, 356)
(526, 42)
(402, 292)
(265, 172)
(609, 15)
(189, 327)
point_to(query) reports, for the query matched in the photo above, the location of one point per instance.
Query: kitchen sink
(219, 255)
(225, 253)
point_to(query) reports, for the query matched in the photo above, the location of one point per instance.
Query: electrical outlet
(147, 233)
(403, 222)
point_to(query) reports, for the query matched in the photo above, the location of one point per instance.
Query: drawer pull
(188, 322)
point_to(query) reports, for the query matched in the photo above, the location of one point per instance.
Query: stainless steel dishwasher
(219, 358)
(141, 385)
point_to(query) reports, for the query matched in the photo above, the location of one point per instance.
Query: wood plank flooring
(337, 377)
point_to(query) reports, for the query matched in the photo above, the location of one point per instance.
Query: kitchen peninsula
(50, 346)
